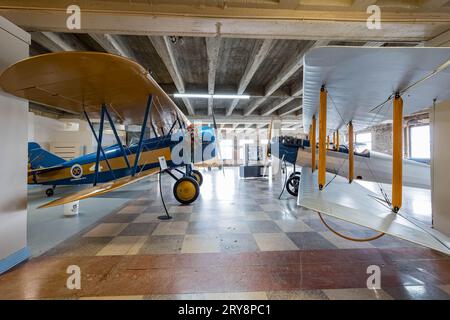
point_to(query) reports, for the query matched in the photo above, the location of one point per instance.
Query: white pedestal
(71, 209)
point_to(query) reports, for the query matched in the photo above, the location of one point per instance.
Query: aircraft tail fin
(40, 158)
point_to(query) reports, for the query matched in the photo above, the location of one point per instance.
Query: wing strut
(99, 145)
(351, 156)
(119, 142)
(312, 142)
(322, 134)
(96, 139)
(141, 138)
(397, 154)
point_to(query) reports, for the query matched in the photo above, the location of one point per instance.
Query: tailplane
(40, 158)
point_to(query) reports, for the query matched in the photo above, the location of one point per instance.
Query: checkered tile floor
(237, 241)
(231, 215)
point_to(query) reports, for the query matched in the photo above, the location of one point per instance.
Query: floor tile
(297, 295)
(271, 207)
(203, 227)
(417, 293)
(357, 294)
(234, 242)
(445, 288)
(175, 296)
(263, 227)
(147, 218)
(162, 245)
(293, 226)
(171, 228)
(274, 242)
(87, 246)
(120, 218)
(256, 216)
(132, 209)
(233, 226)
(202, 243)
(139, 229)
(113, 298)
(342, 243)
(180, 209)
(180, 216)
(310, 241)
(123, 245)
(235, 296)
(106, 229)
(315, 224)
(281, 215)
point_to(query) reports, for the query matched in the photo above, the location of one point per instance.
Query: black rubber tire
(188, 180)
(49, 192)
(197, 175)
(296, 173)
(292, 185)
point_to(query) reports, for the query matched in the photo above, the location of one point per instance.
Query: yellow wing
(77, 81)
(101, 189)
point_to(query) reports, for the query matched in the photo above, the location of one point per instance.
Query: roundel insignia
(76, 171)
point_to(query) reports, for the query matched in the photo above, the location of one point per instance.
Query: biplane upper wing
(78, 81)
(101, 189)
(353, 203)
(360, 79)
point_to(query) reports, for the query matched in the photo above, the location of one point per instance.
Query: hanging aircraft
(117, 90)
(357, 88)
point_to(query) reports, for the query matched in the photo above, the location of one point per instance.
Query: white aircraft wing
(359, 79)
(354, 203)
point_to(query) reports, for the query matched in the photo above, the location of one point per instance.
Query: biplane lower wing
(101, 189)
(353, 203)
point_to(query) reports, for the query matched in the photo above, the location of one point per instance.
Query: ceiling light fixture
(209, 96)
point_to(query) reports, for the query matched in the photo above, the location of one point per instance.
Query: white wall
(440, 162)
(45, 131)
(13, 145)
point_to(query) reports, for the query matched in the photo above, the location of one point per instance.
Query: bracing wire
(337, 110)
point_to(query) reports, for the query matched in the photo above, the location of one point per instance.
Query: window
(227, 149)
(243, 142)
(363, 141)
(420, 142)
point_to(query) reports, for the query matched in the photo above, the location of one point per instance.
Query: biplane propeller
(117, 90)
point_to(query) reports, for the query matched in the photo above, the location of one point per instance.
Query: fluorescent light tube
(208, 96)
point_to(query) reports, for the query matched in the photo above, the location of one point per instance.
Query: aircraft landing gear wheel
(49, 192)
(197, 176)
(296, 173)
(186, 190)
(292, 185)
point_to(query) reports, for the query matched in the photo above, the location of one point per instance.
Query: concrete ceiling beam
(259, 53)
(164, 49)
(262, 20)
(112, 44)
(56, 42)
(212, 52)
(288, 110)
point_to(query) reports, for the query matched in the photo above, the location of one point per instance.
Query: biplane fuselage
(81, 170)
(368, 166)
